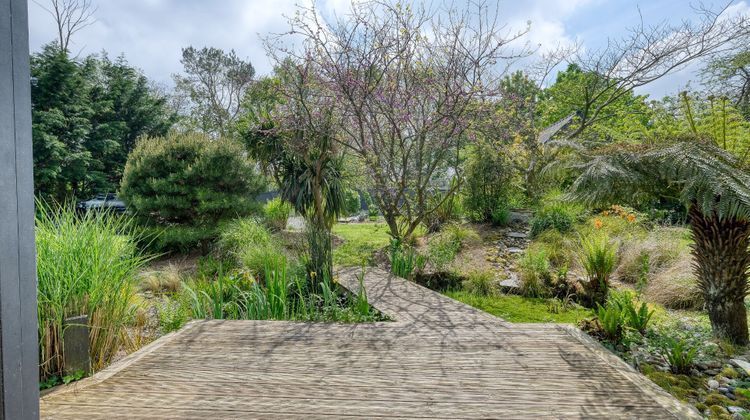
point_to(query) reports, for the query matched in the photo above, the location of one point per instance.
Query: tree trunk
(722, 260)
(318, 232)
(321, 254)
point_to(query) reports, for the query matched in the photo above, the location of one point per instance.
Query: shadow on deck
(438, 359)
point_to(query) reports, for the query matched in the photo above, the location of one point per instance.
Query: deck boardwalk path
(438, 359)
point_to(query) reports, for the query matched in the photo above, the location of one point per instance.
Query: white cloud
(151, 32)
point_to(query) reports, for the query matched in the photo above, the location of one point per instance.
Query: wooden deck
(438, 359)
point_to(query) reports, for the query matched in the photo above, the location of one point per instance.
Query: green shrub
(500, 216)
(598, 258)
(535, 274)
(240, 234)
(352, 202)
(480, 283)
(86, 264)
(557, 216)
(189, 178)
(680, 357)
(373, 212)
(488, 181)
(276, 213)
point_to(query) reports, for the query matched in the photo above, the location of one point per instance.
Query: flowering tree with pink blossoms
(406, 84)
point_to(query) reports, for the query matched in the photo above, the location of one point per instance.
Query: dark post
(76, 345)
(19, 365)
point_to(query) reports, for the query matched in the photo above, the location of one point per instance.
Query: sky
(150, 33)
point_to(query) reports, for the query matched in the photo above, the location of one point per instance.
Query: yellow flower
(598, 223)
(605, 212)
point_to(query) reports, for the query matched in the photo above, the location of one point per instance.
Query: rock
(519, 217)
(723, 389)
(736, 410)
(741, 364)
(713, 364)
(515, 250)
(731, 396)
(511, 282)
(713, 384)
(738, 416)
(518, 235)
(712, 372)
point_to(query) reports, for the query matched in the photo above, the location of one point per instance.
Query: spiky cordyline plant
(715, 187)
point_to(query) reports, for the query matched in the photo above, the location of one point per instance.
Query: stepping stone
(741, 364)
(515, 250)
(519, 217)
(518, 235)
(511, 282)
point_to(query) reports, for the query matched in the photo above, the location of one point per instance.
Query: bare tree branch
(70, 17)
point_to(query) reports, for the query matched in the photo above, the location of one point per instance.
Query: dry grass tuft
(166, 280)
(675, 287)
(660, 250)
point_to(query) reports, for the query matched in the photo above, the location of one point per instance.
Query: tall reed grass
(282, 295)
(86, 265)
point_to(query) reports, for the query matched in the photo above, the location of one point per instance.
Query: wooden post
(76, 345)
(19, 365)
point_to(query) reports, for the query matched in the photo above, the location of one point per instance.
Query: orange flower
(605, 212)
(631, 218)
(598, 223)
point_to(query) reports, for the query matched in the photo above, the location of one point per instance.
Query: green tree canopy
(86, 117)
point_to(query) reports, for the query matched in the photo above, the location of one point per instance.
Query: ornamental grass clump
(86, 265)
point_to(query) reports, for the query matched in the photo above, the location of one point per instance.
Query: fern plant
(637, 319)
(610, 321)
(680, 357)
(714, 185)
(597, 257)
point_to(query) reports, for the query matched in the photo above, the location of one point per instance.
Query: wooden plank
(437, 359)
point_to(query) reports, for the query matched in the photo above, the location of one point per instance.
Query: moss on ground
(520, 309)
(361, 241)
(683, 387)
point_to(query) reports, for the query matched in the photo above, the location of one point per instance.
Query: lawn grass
(361, 241)
(520, 309)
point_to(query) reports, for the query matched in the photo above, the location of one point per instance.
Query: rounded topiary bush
(189, 178)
